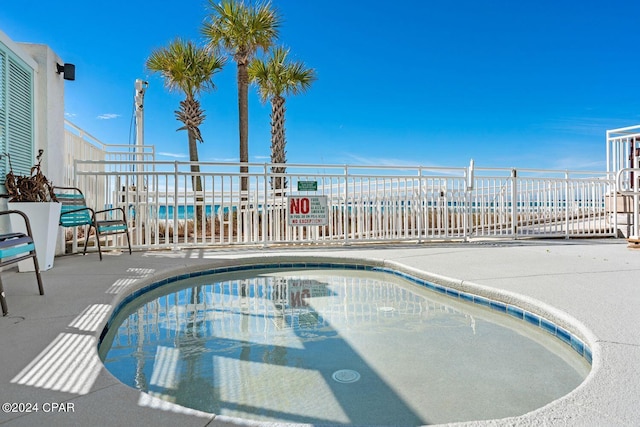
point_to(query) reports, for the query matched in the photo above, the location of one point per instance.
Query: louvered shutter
(3, 113)
(16, 115)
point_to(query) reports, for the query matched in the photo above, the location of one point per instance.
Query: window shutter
(3, 114)
(20, 139)
(16, 115)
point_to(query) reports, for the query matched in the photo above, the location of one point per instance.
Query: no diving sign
(307, 210)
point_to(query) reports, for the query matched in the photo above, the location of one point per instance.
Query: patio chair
(15, 247)
(75, 212)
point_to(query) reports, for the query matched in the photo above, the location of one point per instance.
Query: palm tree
(241, 30)
(276, 78)
(188, 68)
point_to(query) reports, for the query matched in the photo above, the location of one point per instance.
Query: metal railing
(628, 185)
(79, 144)
(623, 161)
(623, 148)
(364, 204)
(542, 203)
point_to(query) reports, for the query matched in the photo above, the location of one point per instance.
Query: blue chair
(75, 212)
(15, 247)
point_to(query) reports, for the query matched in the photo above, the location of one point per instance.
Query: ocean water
(166, 212)
(184, 212)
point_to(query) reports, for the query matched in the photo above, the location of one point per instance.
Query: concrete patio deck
(48, 343)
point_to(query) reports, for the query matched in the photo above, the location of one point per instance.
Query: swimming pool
(349, 345)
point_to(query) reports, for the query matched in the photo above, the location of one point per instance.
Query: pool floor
(338, 347)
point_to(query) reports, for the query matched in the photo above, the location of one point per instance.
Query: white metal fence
(79, 144)
(623, 148)
(99, 157)
(623, 161)
(365, 204)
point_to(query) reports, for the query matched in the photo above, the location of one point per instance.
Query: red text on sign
(301, 205)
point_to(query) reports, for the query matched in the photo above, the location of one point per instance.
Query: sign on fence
(307, 210)
(307, 185)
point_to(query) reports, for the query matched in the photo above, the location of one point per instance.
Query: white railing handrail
(107, 148)
(624, 130)
(85, 135)
(365, 204)
(626, 187)
(620, 144)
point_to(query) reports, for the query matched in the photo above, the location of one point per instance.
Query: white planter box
(44, 218)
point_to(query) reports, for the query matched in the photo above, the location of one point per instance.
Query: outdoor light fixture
(69, 71)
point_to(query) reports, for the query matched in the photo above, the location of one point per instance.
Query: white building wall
(48, 109)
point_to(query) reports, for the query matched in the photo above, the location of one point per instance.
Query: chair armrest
(24, 217)
(77, 190)
(124, 216)
(86, 208)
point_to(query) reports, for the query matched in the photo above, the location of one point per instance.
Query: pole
(141, 87)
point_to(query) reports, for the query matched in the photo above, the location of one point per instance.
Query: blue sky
(527, 84)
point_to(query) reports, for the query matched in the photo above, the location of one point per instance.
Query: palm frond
(185, 67)
(240, 29)
(277, 76)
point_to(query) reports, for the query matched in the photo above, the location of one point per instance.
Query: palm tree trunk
(243, 114)
(278, 143)
(196, 181)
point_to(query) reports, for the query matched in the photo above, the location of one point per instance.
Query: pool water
(331, 346)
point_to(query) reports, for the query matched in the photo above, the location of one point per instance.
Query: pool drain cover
(346, 376)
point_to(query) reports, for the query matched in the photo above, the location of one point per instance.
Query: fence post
(265, 208)
(420, 207)
(635, 187)
(613, 194)
(514, 203)
(175, 208)
(567, 199)
(345, 219)
(468, 217)
(636, 208)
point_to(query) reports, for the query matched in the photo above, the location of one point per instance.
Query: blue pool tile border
(533, 319)
(514, 311)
